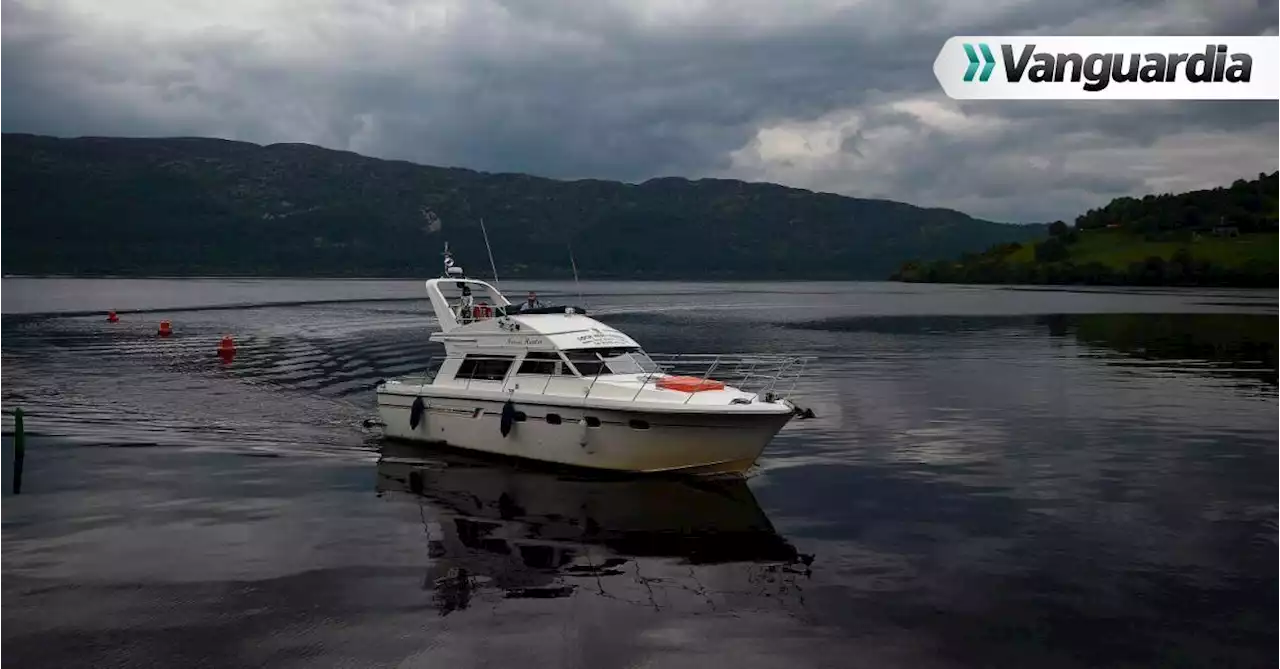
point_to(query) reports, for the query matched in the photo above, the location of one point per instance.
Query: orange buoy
(227, 348)
(166, 329)
(112, 317)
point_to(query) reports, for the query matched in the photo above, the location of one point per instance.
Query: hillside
(1218, 237)
(191, 206)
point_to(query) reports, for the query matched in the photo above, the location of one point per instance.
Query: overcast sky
(834, 95)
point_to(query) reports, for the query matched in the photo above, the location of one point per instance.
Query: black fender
(415, 412)
(508, 418)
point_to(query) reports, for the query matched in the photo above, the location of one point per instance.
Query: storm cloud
(832, 95)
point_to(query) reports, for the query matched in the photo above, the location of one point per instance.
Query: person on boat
(465, 304)
(531, 303)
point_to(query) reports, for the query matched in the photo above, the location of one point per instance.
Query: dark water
(1008, 478)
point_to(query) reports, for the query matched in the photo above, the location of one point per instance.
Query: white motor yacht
(555, 385)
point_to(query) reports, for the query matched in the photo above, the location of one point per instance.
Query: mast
(574, 263)
(490, 250)
(451, 270)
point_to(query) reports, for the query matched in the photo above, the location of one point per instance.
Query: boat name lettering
(602, 338)
(525, 341)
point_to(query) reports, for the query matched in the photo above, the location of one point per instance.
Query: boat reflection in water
(501, 531)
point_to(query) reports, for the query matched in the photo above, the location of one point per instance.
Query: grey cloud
(628, 91)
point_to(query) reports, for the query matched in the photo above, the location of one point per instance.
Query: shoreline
(424, 277)
(1189, 286)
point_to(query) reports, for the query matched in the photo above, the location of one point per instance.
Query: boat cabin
(488, 341)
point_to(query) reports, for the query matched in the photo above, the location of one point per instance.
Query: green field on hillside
(1118, 249)
(1115, 257)
(1217, 237)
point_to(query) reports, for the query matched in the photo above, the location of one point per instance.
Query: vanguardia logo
(1125, 68)
(1098, 70)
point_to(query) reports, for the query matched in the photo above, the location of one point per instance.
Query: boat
(555, 385)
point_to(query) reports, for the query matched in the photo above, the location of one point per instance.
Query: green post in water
(19, 450)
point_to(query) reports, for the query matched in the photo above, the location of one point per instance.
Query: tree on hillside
(1057, 229)
(1051, 250)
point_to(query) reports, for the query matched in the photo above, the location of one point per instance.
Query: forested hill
(191, 206)
(1217, 237)
(1247, 205)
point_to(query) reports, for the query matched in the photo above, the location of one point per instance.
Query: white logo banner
(1110, 68)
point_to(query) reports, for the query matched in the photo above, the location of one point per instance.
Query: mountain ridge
(211, 206)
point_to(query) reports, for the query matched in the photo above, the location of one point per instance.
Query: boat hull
(642, 441)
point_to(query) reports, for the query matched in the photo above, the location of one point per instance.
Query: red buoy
(227, 348)
(112, 317)
(166, 329)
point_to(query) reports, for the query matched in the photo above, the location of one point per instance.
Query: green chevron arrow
(987, 57)
(973, 62)
(991, 62)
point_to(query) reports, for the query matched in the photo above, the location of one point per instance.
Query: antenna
(575, 274)
(490, 250)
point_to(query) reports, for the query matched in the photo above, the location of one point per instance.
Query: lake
(995, 477)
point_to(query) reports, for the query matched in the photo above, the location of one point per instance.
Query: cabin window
(592, 361)
(540, 362)
(553, 419)
(485, 367)
(592, 421)
(627, 361)
(637, 424)
(586, 362)
(520, 417)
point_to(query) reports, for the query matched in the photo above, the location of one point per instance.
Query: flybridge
(1098, 70)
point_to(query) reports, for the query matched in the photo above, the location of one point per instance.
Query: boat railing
(763, 374)
(767, 375)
